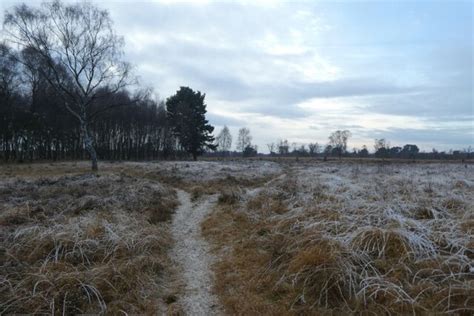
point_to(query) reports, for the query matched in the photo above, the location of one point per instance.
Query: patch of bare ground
(347, 238)
(83, 243)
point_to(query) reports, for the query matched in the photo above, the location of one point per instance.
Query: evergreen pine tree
(186, 112)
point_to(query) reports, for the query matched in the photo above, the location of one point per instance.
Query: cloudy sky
(400, 70)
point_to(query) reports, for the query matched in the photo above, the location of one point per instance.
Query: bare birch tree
(338, 141)
(80, 51)
(314, 149)
(244, 139)
(224, 140)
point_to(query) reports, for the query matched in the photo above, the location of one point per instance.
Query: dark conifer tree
(186, 112)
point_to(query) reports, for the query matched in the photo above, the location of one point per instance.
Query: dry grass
(389, 244)
(328, 240)
(83, 243)
(74, 242)
(227, 185)
(324, 238)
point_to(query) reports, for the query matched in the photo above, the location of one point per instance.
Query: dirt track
(191, 254)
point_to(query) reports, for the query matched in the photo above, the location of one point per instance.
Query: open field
(349, 238)
(278, 237)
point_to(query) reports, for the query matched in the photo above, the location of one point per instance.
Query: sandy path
(192, 254)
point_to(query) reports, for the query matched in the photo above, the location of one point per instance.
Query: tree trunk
(194, 156)
(89, 146)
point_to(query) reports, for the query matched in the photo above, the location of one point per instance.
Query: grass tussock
(229, 196)
(267, 204)
(227, 185)
(391, 244)
(83, 244)
(324, 241)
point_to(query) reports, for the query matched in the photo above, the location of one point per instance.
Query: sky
(299, 70)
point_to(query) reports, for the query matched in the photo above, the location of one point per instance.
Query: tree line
(337, 146)
(65, 93)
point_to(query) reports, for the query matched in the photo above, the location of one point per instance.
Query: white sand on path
(191, 253)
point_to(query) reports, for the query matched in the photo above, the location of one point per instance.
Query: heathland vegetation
(306, 229)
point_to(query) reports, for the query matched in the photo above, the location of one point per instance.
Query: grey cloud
(435, 104)
(455, 137)
(220, 120)
(217, 49)
(328, 126)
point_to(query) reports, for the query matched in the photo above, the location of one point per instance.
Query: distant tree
(166, 141)
(338, 141)
(382, 148)
(395, 151)
(79, 53)
(327, 151)
(300, 151)
(244, 139)
(271, 148)
(468, 151)
(303, 149)
(283, 147)
(380, 143)
(364, 152)
(336, 151)
(314, 149)
(294, 147)
(409, 151)
(435, 154)
(186, 112)
(224, 140)
(250, 151)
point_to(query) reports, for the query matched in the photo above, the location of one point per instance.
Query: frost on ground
(74, 242)
(288, 238)
(198, 171)
(349, 238)
(83, 243)
(191, 254)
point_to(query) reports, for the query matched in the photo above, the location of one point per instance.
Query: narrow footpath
(192, 255)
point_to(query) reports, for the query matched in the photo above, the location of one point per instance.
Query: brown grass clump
(467, 226)
(380, 243)
(224, 185)
(421, 213)
(267, 204)
(460, 184)
(197, 191)
(453, 204)
(229, 196)
(321, 273)
(84, 244)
